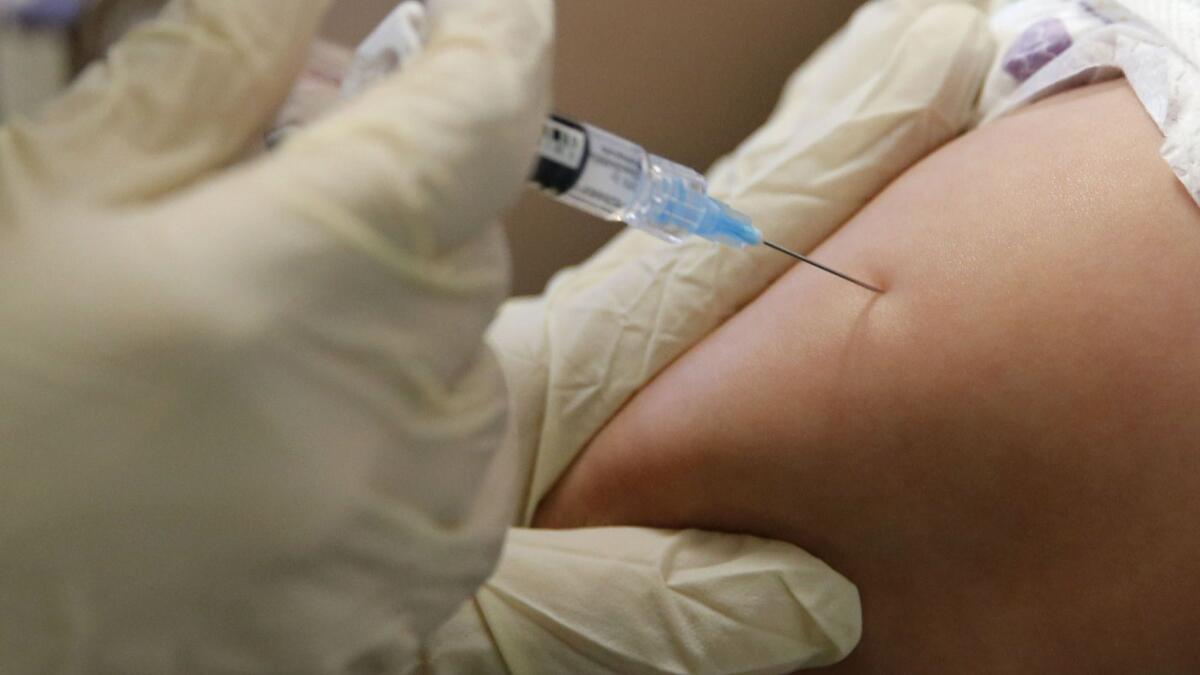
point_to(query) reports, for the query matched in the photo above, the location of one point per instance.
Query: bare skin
(1003, 451)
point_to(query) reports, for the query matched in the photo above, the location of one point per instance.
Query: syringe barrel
(612, 178)
(589, 168)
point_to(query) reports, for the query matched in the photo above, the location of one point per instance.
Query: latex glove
(316, 93)
(895, 84)
(249, 424)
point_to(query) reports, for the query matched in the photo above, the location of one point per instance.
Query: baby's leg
(1002, 450)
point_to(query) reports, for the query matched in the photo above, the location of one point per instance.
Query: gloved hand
(897, 83)
(249, 424)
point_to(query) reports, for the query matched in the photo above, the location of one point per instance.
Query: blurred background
(687, 79)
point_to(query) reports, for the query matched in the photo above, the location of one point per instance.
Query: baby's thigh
(1019, 428)
(1015, 416)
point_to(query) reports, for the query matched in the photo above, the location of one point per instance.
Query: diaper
(1049, 46)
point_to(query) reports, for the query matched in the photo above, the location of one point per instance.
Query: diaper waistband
(1048, 46)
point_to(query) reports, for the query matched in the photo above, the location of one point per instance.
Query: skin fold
(1003, 451)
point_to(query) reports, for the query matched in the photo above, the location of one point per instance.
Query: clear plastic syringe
(611, 178)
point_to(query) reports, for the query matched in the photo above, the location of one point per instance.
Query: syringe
(611, 178)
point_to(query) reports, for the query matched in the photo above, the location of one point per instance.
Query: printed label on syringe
(611, 175)
(588, 168)
(563, 144)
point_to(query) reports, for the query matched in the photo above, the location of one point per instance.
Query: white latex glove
(897, 83)
(247, 423)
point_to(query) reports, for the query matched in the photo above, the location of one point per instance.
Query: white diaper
(1047, 46)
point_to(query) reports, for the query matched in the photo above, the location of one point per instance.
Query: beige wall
(685, 78)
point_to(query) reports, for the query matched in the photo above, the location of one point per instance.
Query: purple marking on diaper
(1036, 47)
